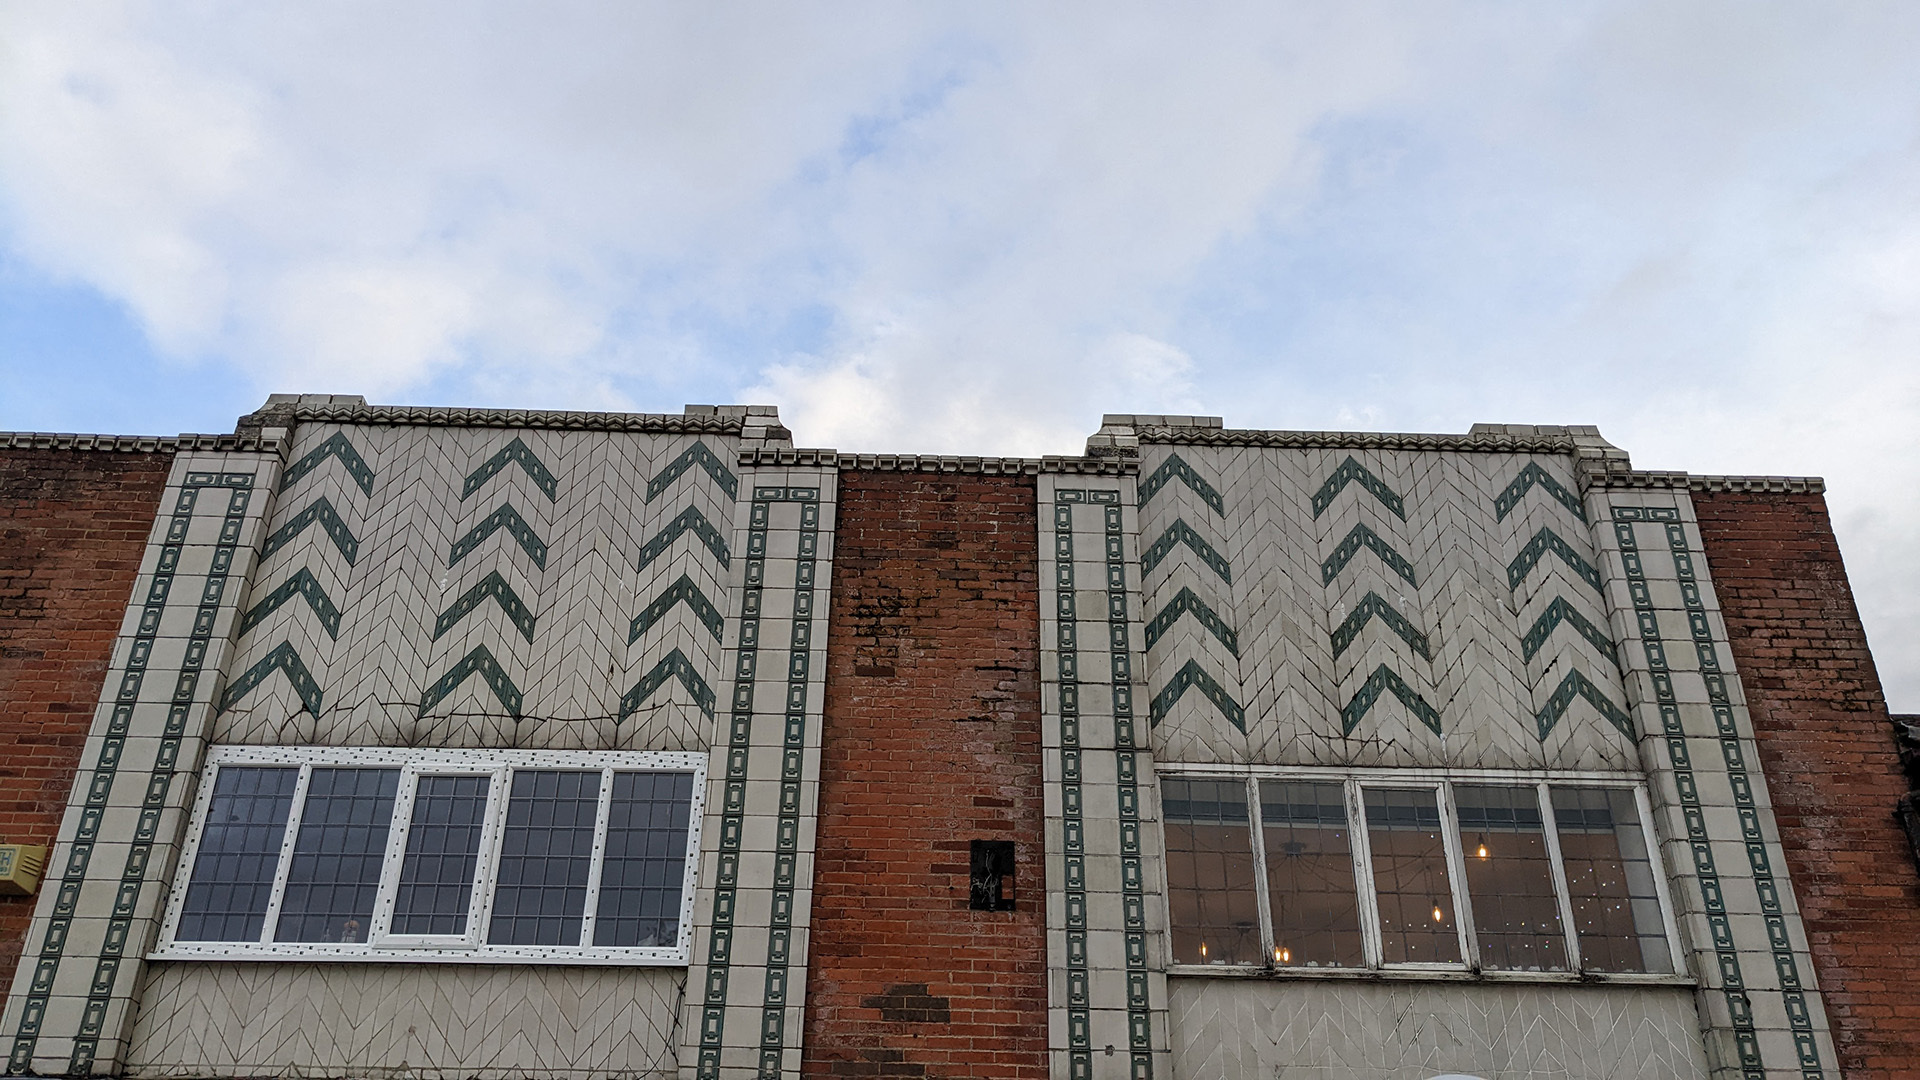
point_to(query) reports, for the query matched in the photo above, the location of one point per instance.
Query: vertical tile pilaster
(1760, 1011)
(74, 993)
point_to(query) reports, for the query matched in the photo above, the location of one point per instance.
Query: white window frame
(381, 945)
(1354, 783)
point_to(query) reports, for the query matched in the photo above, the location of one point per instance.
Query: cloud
(974, 228)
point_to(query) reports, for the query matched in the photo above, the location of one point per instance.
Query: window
(483, 855)
(1409, 871)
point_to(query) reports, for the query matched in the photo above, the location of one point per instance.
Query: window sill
(498, 954)
(1428, 975)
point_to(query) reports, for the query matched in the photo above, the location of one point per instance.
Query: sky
(976, 227)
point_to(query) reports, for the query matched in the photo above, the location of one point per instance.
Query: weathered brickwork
(73, 524)
(1824, 736)
(931, 740)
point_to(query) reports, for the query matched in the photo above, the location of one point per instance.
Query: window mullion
(396, 854)
(294, 813)
(1551, 828)
(1362, 846)
(1657, 866)
(1262, 900)
(493, 834)
(1456, 860)
(603, 813)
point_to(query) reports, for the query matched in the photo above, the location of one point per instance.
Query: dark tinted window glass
(238, 854)
(1210, 883)
(1516, 916)
(335, 870)
(646, 859)
(1610, 881)
(443, 851)
(546, 854)
(1310, 886)
(1410, 876)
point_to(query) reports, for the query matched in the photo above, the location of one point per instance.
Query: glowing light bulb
(1203, 951)
(1285, 956)
(1437, 917)
(1482, 852)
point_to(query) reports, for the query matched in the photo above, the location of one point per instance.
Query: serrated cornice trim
(442, 416)
(1359, 440)
(937, 463)
(136, 444)
(1773, 485)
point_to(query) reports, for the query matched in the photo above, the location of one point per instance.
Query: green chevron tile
(1191, 676)
(1543, 542)
(690, 520)
(514, 453)
(1174, 468)
(1181, 533)
(1352, 472)
(1362, 537)
(1383, 680)
(1185, 602)
(1575, 685)
(504, 518)
(303, 584)
(482, 662)
(319, 512)
(1374, 607)
(1560, 612)
(682, 591)
(284, 660)
(1533, 474)
(496, 587)
(335, 446)
(674, 665)
(697, 454)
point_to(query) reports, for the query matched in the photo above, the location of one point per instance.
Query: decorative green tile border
(1576, 684)
(1532, 474)
(1186, 602)
(1370, 607)
(281, 658)
(1073, 825)
(1352, 472)
(713, 1011)
(516, 526)
(1192, 675)
(1560, 612)
(674, 665)
(1362, 537)
(496, 587)
(334, 446)
(1181, 533)
(159, 782)
(320, 512)
(690, 520)
(681, 591)
(1382, 680)
(302, 584)
(515, 453)
(1543, 542)
(482, 662)
(1727, 957)
(1174, 468)
(697, 454)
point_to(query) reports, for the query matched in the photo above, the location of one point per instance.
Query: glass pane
(1610, 876)
(238, 854)
(540, 895)
(1310, 887)
(335, 871)
(443, 851)
(1410, 876)
(1215, 912)
(1510, 879)
(646, 860)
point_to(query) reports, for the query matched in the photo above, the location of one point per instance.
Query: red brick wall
(1828, 749)
(931, 740)
(73, 524)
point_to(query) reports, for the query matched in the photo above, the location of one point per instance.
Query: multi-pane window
(1489, 871)
(394, 854)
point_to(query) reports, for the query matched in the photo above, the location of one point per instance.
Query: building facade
(478, 743)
